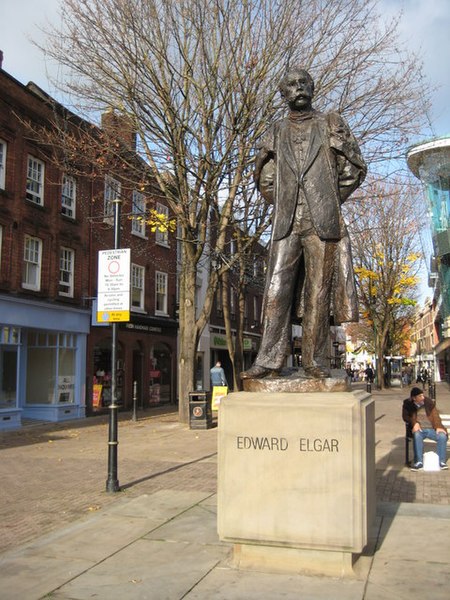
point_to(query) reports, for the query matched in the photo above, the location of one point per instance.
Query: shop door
(8, 377)
(137, 376)
(162, 361)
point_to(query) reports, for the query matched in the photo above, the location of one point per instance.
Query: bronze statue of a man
(308, 164)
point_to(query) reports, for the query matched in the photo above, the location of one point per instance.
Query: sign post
(113, 307)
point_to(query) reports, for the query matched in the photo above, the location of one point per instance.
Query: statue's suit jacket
(332, 169)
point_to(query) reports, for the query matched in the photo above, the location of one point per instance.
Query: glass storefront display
(50, 368)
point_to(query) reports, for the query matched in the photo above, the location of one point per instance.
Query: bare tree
(198, 81)
(385, 232)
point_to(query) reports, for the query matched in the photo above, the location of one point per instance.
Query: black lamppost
(112, 483)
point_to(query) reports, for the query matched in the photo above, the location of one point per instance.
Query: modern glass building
(430, 162)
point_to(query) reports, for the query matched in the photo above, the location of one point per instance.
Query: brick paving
(54, 474)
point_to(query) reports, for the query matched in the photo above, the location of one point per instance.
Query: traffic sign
(114, 285)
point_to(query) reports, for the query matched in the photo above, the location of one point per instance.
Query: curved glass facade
(430, 162)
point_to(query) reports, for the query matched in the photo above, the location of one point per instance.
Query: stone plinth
(296, 489)
(296, 381)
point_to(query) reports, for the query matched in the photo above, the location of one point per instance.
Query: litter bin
(200, 415)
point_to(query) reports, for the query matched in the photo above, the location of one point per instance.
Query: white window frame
(32, 258)
(3, 151)
(35, 180)
(256, 315)
(137, 285)
(68, 196)
(162, 237)
(138, 214)
(161, 290)
(66, 271)
(232, 302)
(112, 192)
(219, 299)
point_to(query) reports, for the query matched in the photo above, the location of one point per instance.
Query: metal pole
(134, 417)
(112, 483)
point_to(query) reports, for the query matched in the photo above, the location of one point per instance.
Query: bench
(408, 436)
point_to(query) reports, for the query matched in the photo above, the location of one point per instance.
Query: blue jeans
(440, 438)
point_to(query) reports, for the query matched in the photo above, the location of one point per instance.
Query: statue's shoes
(317, 372)
(258, 372)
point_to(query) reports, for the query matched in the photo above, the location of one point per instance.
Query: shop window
(35, 181)
(66, 271)
(68, 196)
(10, 335)
(161, 293)
(3, 147)
(8, 376)
(32, 259)
(102, 388)
(9, 341)
(50, 368)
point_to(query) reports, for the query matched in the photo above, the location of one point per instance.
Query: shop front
(146, 364)
(219, 352)
(42, 361)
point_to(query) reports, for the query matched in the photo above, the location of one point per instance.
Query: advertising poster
(219, 391)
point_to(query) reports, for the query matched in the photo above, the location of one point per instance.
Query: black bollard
(134, 417)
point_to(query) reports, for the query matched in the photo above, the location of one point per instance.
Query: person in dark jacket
(420, 413)
(369, 374)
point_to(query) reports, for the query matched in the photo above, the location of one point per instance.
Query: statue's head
(297, 88)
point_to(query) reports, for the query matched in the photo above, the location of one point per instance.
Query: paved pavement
(63, 537)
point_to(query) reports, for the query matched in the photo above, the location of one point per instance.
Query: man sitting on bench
(420, 412)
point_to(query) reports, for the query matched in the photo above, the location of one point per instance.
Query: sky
(424, 29)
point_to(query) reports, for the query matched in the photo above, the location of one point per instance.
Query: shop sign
(97, 395)
(219, 341)
(140, 327)
(247, 344)
(66, 386)
(219, 392)
(114, 285)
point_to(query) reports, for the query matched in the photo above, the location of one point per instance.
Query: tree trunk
(238, 349)
(188, 340)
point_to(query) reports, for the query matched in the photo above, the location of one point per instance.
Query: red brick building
(52, 225)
